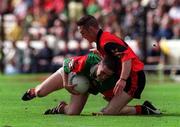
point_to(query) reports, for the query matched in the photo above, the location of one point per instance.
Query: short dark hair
(112, 63)
(88, 20)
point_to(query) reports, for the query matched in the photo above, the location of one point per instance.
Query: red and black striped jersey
(109, 44)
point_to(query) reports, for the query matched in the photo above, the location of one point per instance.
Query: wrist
(123, 79)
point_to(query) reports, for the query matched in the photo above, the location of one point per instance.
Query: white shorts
(61, 71)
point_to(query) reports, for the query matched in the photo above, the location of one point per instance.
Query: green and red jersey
(82, 65)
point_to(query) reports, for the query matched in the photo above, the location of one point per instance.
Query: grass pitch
(16, 113)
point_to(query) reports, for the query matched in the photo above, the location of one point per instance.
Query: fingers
(74, 92)
(70, 89)
(118, 89)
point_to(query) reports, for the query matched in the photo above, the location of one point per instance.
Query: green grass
(16, 113)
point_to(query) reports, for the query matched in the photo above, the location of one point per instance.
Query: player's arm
(126, 69)
(68, 66)
(119, 52)
(125, 72)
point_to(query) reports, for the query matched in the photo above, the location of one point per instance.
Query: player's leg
(122, 98)
(118, 106)
(128, 110)
(76, 104)
(117, 103)
(52, 83)
(74, 107)
(134, 87)
(145, 109)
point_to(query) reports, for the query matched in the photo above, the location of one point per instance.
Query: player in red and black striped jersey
(131, 80)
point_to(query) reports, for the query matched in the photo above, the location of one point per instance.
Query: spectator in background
(174, 11)
(75, 9)
(93, 8)
(128, 21)
(59, 56)
(132, 24)
(7, 6)
(139, 51)
(176, 31)
(165, 30)
(51, 16)
(119, 11)
(154, 54)
(40, 18)
(21, 9)
(44, 58)
(152, 24)
(57, 29)
(106, 6)
(14, 60)
(16, 32)
(29, 57)
(56, 5)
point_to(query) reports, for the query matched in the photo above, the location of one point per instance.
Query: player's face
(103, 72)
(87, 33)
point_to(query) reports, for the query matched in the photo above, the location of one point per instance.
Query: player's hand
(120, 84)
(70, 89)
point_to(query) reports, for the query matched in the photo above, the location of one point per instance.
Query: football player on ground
(102, 77)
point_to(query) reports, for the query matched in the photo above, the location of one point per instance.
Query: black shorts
(135, 84)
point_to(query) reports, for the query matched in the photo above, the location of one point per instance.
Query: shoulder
(114, 47)
(93, 58)
(93, 55)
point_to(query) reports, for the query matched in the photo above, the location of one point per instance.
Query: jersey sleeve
(80, 64)
(67, 65)
(129, 54)
(112, 48)
(92, 59)
(119, 51)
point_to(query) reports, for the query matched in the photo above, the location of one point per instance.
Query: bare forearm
(126, 69)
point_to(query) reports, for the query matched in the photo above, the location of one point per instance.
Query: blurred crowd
(39, 34)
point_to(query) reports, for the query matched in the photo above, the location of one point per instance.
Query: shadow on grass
(161, 115)
(170, 115)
